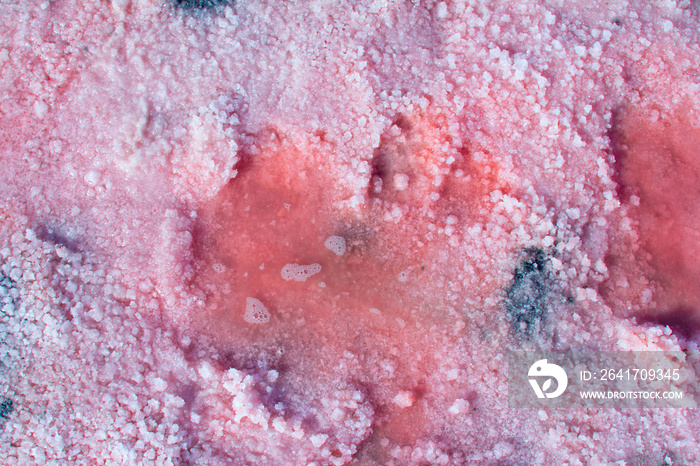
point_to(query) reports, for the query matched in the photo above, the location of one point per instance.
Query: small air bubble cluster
(300, 273)
(336, 244)
(256, 312)
(219, 268)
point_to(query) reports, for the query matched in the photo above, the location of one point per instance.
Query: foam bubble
(256, 312)
(300, 273)
(336, 244)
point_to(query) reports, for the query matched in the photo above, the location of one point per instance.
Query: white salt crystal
(318, 440)
(403, 399)
(40, 109)
(159, 384)
(442, 10)
(92, 178)
(460, 406)
(573, 213)
(400, 181)
(549, 18)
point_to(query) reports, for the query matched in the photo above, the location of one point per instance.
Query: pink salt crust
(161, 167)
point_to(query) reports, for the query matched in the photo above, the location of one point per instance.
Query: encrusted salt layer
(300, 273)
(336, 244)
(509, 174)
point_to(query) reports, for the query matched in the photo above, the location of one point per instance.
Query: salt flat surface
(502, 175)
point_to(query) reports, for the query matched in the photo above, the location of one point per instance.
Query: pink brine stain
(660, 167)
(263, 237)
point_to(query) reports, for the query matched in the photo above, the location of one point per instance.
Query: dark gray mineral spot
(526, 298)
(5, 408)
